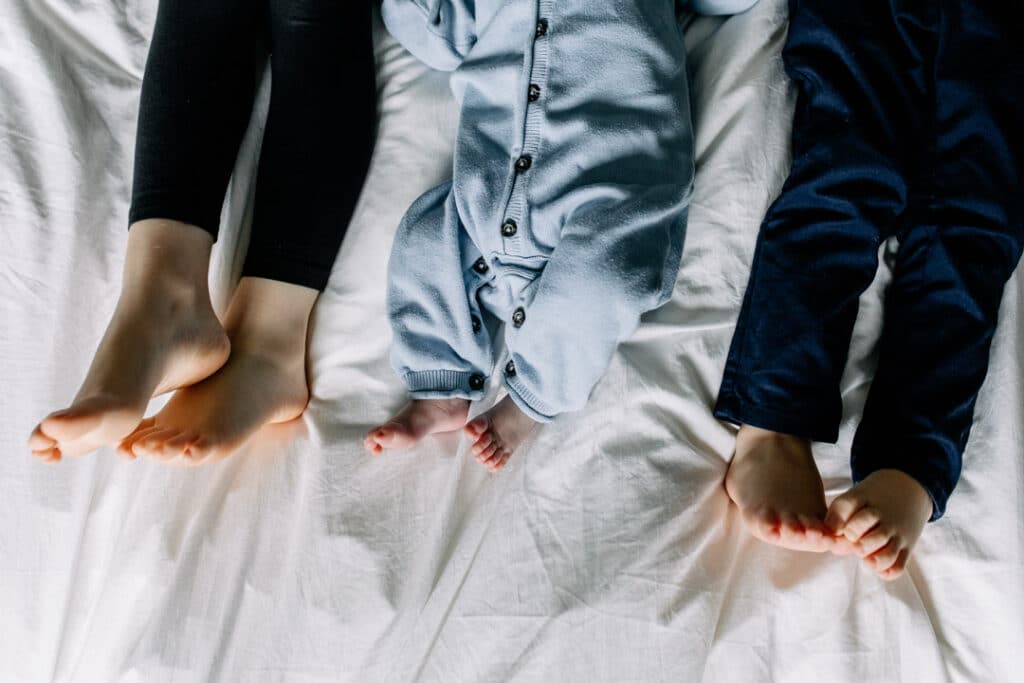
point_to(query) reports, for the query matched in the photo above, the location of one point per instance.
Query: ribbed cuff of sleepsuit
(169, 207)
(442, 384)
(893, 456)
(281, 268)
(801, 422)
(535, 408)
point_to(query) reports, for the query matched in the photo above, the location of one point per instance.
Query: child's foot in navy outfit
(882, 517)
(418, 419)
(774, 482)
(497, 433)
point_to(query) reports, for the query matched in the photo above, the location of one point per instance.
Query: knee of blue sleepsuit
(720, 7)
(437, 32)
(440, 348)
(612, 265)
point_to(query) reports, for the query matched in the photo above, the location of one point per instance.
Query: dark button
(542, 28)
(509, 228)
(476, 382)
(524, 163)
(476, 323)
(519, 317)
(510, 368)
(480, 266)
(534, 92)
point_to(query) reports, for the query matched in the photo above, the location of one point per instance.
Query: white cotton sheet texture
(606, 551)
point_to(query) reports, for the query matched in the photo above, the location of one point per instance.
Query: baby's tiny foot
(774, 482)
(882, 517)
(497, 433)
(418, 419)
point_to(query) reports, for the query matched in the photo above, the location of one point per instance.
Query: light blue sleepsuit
(567, 209)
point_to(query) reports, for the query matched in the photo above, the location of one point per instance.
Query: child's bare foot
(418, 419)
(263, 382)
(774, 482)
(883, 516)
(163, 335)
(497, 433)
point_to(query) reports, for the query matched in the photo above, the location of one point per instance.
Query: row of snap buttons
(476, 382)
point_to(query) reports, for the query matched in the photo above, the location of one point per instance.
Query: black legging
(204, 66)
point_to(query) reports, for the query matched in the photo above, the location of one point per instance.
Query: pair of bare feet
(776, 485)
(164, 336)
(495, 434)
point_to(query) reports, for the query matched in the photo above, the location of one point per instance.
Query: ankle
(749, 437)
(270, 318)
(172, 252)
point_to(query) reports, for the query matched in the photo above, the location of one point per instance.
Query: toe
(790, 526)
(842, 509)
(898, 567)
(493, 456)
(176, 445)
(48, 454)
(476, 427)
(816, 534)
(393, 435)
(885, 557)
(151, 445)
(483, 443)
(500, 462)
(128, 442)
(862, 521)
(873, 541)
(487, 452)
(199, 450)
(39, 441)
(764, 524)
(841, 547)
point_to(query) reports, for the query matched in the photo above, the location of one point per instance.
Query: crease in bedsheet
(464, 575)
(69, 27)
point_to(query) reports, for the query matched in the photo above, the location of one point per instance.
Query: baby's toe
(487, 452)
(476, 427)
(500, 461)
(493, 455)
(483, 443)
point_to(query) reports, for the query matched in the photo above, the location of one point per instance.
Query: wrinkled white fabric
(606, 551)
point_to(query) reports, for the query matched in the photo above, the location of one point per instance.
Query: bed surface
(606, 551)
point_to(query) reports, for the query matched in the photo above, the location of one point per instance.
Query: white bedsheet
(605, 552)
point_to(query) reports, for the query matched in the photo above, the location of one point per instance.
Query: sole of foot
(163, 335)
(496, 434)
(263, 382)
(774, 482)
(416, 421)
(882, 518)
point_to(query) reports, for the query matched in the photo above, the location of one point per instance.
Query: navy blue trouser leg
(962, 243)
(896, 133)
